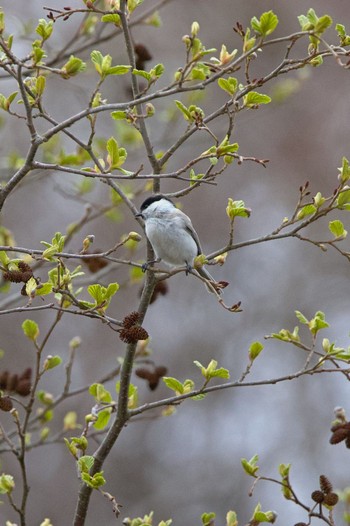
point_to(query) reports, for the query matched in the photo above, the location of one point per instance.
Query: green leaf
(94, 482)
(322, 24)
(118, 70)
(2, 22)
(173, 384)
(118, 115)
(85, 463)
(51, 362)
(253, 99)
(4, 259)
(306, 210)
(44, 29)
(31, 329)
(317, 323)
(133, 4)
(250, 466)
(344, 37)
(301, 317)
(340, 28)
(229, 85)
(72, 67)
(237, 209)
(267, 23)
(184, 110)
(113, 150)
(103, 418)
(337, 228)
(141, 73)
(344, 170)
(254, 350)
(211, 371)
(100, 393)
(231, 519)
(111, 18)
(7, 483)
(343, 199)
(112, 288)
(287, 336)
(208, 519)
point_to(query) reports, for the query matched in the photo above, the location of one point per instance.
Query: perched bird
(172, 236)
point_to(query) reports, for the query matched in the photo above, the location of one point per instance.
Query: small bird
(172, 236)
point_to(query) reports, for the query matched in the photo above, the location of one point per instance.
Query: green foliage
(229, 85)
(112, 18)
(85, 463)
(253, 99)
(44, 29)
(248, 41)
(266, 24)
(316, 25)
(116, 156)
(7, 483)
(284, 472)
(250, 466)
(191, 114)
(31, 329)
(254, 350)
(263, 516)
(103, 418)
(316, 323)
(306, 211)
(2, 22)
(133, 395)
(195, 177)
(76, 445)
(340, 353)
(5, 102)
(152, 75)
(51, 362)
(4, 259)
(344, 170)
(337, 229)
(344, 37)
(100, 393)
(133, 4)
(237, 209)
(103, 65)
(212, 371)
(102, 296)
(56, 245)
(180, 388)
(72, 67)
(208, 519)
(231, 519)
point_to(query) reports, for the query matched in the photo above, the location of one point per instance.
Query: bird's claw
(188, 269)
(145, 267)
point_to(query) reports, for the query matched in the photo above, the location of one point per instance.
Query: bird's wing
(187, 225)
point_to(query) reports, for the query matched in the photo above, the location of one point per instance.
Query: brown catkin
(5, 403)
(317, 496)
(339, 435)
(325, 484)
(331, 499)
(131, 319)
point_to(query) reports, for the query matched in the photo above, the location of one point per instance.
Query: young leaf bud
(194, 29)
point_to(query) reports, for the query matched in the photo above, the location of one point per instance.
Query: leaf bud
(194, 29)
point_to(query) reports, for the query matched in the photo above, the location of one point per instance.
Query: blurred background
(189, 463)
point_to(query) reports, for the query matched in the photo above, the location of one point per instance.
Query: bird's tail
(213, 284)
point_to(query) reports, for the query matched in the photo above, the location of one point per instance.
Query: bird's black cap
(154, 198)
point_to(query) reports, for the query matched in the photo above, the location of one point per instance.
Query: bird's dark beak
(139, 215)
